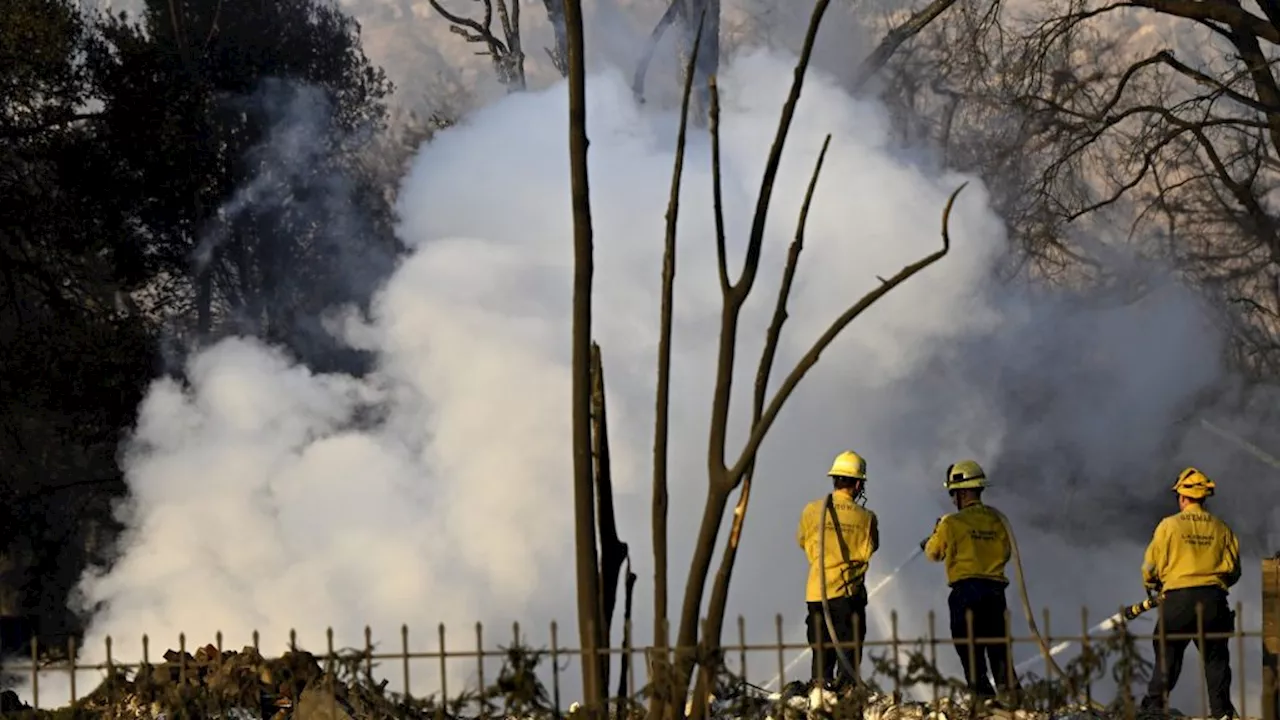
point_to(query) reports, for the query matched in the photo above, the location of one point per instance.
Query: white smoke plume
(270, 498)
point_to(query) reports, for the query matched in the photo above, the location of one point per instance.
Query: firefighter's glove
(935, 529)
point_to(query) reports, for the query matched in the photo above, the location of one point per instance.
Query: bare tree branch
(1217, 11)
(723, 479)
(810, 358)
(732, 299)
(507, 55)
(642, 66)
(659, 668)
(1179, 151)
(890, 43)
(720, 586)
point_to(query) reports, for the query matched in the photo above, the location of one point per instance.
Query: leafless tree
(1170, 132)
(506, 52)
(724, 476)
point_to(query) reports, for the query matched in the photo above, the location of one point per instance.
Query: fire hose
(1022, 593)
(827, 507)
(1127, 613)
(875, 590)
(1022, 589)
(1046, 652)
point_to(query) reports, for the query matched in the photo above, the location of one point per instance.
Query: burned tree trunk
(590, 621)
(627, 640)
(613, 552)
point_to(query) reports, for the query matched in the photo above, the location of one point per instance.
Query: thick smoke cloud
(270, 497)
(1091, 391)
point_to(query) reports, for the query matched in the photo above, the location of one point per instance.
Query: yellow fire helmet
(965, 475)
(849, 464)
(1194, 484)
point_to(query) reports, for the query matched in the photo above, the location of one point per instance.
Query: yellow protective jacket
(847, 552)
(972, 543)
(1192, 548)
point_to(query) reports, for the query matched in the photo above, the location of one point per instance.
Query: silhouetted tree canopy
(198, 170)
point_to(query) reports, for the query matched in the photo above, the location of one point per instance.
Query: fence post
(1270, 637)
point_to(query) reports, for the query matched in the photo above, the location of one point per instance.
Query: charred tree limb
(613, 552)
(624, 671)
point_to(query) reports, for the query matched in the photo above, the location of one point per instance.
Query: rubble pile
(233, 685)
(799, 702)
(244, 685)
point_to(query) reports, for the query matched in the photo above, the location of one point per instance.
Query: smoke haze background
(436, 489)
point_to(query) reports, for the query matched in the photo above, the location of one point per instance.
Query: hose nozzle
(1134, 611)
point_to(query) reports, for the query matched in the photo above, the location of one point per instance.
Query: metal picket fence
(896, 665)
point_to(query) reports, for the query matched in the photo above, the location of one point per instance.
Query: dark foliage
(195, 171)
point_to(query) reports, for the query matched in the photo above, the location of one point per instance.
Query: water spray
(1046, 652)
(1243, 444)
(1129, 612)
(884, 582)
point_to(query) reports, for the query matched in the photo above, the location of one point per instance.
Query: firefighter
(852, 537)
(1192, 560)
(973, 543)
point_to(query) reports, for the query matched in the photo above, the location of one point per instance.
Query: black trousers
(985, 599)
(846, 613)
(1179, 617)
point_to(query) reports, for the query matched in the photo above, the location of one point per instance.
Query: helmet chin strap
(860, 494)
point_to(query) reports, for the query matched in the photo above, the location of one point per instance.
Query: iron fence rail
(35, 662)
